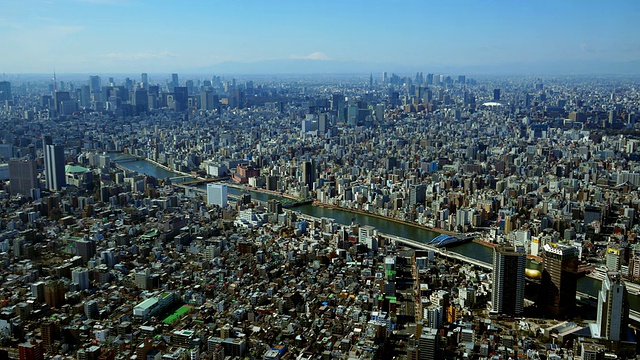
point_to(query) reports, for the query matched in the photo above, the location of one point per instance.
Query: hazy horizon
(134, 36)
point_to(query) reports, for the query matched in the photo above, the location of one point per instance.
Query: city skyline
(99, 36)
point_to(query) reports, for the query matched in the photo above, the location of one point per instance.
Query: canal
(470, 249)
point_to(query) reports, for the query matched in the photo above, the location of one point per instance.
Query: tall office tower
(613, 308)
(174, 81)
(507, 296)
(181, 98)
(559, 278)
(58, 98)
(428, 345)
(417, 194)
(94, 84)
(217, 194)
(207, 100)
(308, 173)
(496, 94)
(53, 164)
(85, 96)
(54, 293)
(23, 176)
(144, 79)
(140, 100)
(323, 123)
(5, 91)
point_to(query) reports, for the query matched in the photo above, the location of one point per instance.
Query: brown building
(54, 293)
(559, 279)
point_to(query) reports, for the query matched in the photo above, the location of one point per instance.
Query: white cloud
(313, 56)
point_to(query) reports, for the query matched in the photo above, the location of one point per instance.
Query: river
(470, 249)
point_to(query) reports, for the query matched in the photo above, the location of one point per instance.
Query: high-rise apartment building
(613, 308)
(23, 176)
(509, 266)
(54, 293)
(559, 278)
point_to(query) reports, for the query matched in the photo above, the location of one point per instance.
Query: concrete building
(509, 266)
(217, 194)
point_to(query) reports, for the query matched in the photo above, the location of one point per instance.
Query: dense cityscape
(422, 216)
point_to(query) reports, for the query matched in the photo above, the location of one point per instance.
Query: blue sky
(102, 36)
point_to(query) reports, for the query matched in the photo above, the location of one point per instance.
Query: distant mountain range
(310, 66)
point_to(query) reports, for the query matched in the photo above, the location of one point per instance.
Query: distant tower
(144, 79)
(371, 80)
(174, 81)
(559, 278)
(94, 84)
(613, 308)
(53, 164)
(496, 95)
(5, 91)
(507, 295)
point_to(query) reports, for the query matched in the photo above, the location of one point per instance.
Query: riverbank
(403, 222)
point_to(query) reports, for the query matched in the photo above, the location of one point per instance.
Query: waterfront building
(217, 194)
(559, 279)
(509, 266)
(613, 308)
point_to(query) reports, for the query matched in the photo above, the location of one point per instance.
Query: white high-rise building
(217, 194)
(613, 308)
(80, 276)
(53, 164)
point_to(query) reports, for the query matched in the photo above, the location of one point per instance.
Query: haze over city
(491, 37)
(319, 180)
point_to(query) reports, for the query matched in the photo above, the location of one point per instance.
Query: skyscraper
(174, 81)
(181, 98)
(559, 278)
(5, 91)
(94, 84)
(217, 194)
(23, 176)
(144, 79)
(613, 308)
(308, 173)
(509, 264)
(53, 164)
